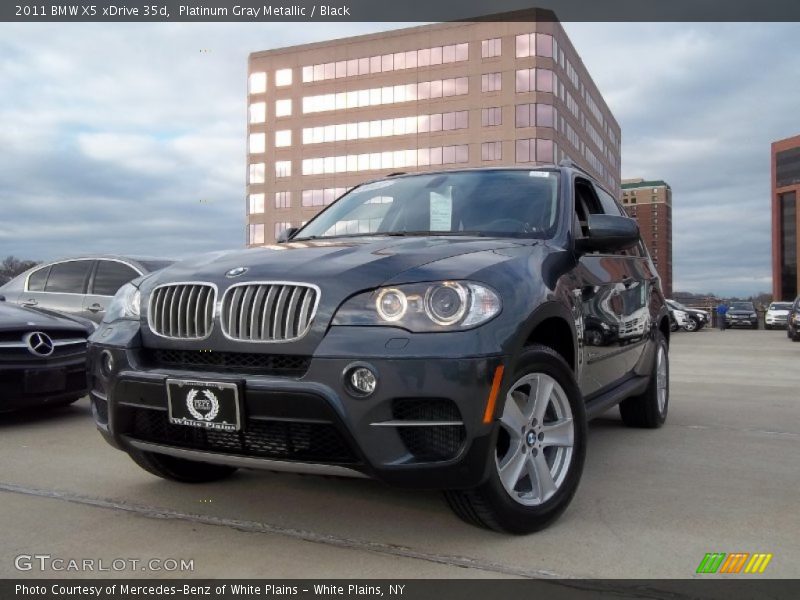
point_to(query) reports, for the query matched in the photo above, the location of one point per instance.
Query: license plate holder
(43, 381)
(213, 405)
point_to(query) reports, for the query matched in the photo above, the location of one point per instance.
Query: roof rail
(570, 164)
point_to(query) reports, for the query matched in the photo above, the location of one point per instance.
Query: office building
(326, 116)
(785, 218)
(650, 203)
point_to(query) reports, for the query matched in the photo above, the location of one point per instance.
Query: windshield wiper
(432, 233)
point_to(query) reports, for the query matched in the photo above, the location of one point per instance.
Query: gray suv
(82, 286)
(448, 330)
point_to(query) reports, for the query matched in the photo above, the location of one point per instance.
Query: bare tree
(13, 266)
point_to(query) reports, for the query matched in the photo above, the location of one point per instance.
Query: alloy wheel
(535, 448)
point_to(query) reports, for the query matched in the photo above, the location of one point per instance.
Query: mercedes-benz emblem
(236, 272)
(39, 344)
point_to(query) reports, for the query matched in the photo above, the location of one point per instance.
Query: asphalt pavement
(721, 476)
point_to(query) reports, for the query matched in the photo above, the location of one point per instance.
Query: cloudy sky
(129, 138)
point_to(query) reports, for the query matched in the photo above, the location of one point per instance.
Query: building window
(535, 115)
(535, 150)
(283, 199)
(256, 173)
(321, 197)
(386, 160)
(490, 48)
(491, 116)
(257, 143)
(492, 151)
(256, 204)
(258, 112)
(410, 92)
(257, 83)
(398, 61)
(280, 227)
(283, 138)
(283, 168)
(538, 80)
(283, 108)
(535, 44)
(491, 82)
(283, 77)
(256, 233)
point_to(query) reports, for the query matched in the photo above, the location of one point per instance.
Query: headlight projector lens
(446, 303)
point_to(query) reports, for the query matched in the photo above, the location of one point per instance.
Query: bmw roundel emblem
(236, 272)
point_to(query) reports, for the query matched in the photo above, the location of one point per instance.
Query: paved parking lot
(721, 476)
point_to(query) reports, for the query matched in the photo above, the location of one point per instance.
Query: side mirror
(609, 233)
(2, 298)
(287, 234)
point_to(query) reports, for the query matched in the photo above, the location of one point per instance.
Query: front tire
(539, 452)
(649, 409)
(691, 324)
(180, 469)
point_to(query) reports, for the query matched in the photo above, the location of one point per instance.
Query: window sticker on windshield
(441, 212)
(378, 185)
(539, 173)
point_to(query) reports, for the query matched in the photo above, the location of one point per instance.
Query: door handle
(94, 307)
(30, 302)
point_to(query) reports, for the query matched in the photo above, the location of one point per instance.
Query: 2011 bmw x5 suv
(449, 330)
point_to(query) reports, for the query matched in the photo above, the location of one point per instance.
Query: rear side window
(111, 276)
(37, 279)
(69, 277)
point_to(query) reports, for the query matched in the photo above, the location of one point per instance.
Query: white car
(680, 318)
(777, 315)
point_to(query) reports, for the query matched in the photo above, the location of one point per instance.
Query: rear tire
(540, 450)
(649, 409)
(692, 324)
(180, 469)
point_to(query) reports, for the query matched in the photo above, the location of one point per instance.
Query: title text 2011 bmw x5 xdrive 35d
(449, 330)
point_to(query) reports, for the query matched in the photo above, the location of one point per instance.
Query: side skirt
(601, 402)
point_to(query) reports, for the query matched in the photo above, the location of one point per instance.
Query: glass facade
(386, 127)
(788, 244)
(787, 167)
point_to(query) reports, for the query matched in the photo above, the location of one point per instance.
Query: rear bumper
(422, 428)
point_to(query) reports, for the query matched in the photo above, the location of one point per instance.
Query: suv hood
(359, 263)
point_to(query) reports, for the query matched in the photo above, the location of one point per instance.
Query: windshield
(496, 203)
(742, 306)
(780, 306)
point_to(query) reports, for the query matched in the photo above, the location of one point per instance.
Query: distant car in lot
(696, 319)
(81, 286)
(777, 315)
(42, 357)
(678, 318)
(741, 314)
(793, 321)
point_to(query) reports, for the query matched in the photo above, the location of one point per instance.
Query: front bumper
(741, 321)
(28, 384)
(422, 427)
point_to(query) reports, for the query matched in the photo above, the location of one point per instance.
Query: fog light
(106, 363)
(362, 381)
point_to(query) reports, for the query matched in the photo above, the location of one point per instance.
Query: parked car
(81, 286)
(42, 357)
(696, 319)
(793, 321)
(423, 330)
(678, 319)
(777, 315)
(741, 314)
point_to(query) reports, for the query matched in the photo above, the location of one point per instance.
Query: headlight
(125, 304)
(419, 307)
